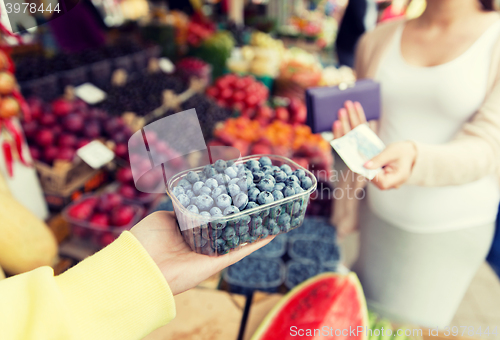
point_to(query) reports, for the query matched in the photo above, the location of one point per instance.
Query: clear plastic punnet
(218, 235)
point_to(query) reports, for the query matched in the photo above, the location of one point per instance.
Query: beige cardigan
(472, 154)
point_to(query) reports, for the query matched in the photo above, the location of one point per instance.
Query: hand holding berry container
(268, 196)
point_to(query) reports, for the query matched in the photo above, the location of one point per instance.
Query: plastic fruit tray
(205, 234)
(251, 274)
(95, 236)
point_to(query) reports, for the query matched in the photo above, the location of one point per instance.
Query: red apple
(62, 107)
(124, 176)
(73, 122)
(67, 140)
(109, 201)
(81, 211)
(121, 216)
(35, 153)
(282, 114)
(44, 137)
(47, 119)
(106, 239)
(66, 154)
(30, 129)
(121, 150)
(36, 107)
(99, 220)
(127, 191)
(81, 143)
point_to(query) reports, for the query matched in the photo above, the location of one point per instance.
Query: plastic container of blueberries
(203, 234)
(275, 249)
(292, 244)
(244, 287)
(91, 236)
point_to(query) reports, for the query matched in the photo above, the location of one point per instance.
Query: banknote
(357, 147)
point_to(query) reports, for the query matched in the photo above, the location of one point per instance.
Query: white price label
(95, 154)
(90, 93)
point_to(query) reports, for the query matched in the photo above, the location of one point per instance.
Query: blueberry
(274, 229)
(205, 214)
(283, 219)
(220, 165)
(240, 201)
(246, 238)
(279, 186)
(265, 161)
(252, 165)
(205, 202)
(257, 231)
(231, 172)
(292, 180)
(296, 222)
(242, 230)
(285, 227)
(275, 211)
(251, 205)
(229, 163)
(280, 176)
(265, 232)
(264, 213)
(178, 190)
(215, 211)
(184, 199)
(252, 194)
(258, 176)
(224, 187)
(211, 233)
(271, 178)
(296, 209)
(265, 185)
(289, 191)
(220, 246)
(185, 184)
(265, 197)
(276, 168)
(228, 233)
(202, 177)
(218, 225)
(193, 200)
(244, 220)
(223, 201)
(218, 191)
(190, 194)
(301, 174)
(268, 170)
(256, 222)
(212, 183)
(231, 210)
(193, 209)
(222, 179)
(209, 171)
(286, 168)
(205, 190)
(243, 184)
(278, 195)
(192, 177)
(233, 242)
(298, 189)
(306, 183)
(234, 190)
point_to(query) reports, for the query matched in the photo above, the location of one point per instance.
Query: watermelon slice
(329, 306)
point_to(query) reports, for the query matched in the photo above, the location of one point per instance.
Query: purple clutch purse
(323, 103)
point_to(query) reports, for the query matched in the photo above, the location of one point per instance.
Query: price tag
(166, 66)
(95, 154)
(90, 93)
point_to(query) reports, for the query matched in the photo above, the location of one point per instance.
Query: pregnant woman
(428, 218)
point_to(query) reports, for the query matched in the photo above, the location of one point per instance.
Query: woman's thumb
(380, 160)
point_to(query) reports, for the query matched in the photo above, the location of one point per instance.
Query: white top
(430, 105)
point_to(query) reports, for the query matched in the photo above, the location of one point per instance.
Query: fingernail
(368, 164)
(337, 124)
(342, 113)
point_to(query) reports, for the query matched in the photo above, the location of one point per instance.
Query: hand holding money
(364, 153)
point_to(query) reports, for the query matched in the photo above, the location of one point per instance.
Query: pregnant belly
(423, 209)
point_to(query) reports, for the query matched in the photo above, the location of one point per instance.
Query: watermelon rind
(277, 308)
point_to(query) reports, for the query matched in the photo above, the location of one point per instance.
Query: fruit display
(261, 39)
(298, 272)
(215, 50)
(238, 93)
(221, 207)
(275, 248)
(252, 274)
(332, 76)
(26, 242)
(193, 67)
(309, 150)
(58, 129)
(100, 219)
(141, 95)
(258, 61)
(314, 250)
(199, 29)
(330, 300)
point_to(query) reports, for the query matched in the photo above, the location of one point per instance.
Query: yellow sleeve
(118, 293)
